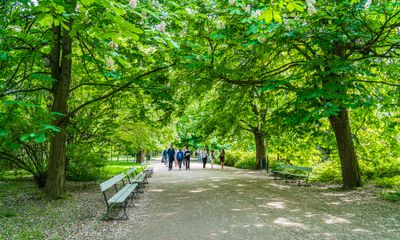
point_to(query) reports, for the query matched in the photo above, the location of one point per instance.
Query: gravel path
(240, 204)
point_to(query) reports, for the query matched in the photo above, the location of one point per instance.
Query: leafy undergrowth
(392, 188)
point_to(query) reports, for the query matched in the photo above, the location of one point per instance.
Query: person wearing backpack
(187, 159)
(179, 157)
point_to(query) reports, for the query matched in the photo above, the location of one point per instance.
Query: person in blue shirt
(179, 157)
(171, 157)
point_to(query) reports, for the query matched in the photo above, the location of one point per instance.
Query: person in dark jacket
(179, 157)
(187, 158)
(171, 157)
(204, 157)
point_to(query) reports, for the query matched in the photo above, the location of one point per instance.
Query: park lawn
(113, 168)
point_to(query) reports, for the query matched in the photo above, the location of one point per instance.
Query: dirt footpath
(240, 204)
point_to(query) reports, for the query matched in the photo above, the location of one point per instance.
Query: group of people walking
(179, 156)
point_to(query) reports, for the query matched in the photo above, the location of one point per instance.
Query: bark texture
(61, 68)
(259, 138)
(347, 154)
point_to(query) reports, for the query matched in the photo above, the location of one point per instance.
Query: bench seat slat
(123, 194)
(111, 182)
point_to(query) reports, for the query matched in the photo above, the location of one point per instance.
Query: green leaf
(3, 133)
(267, 15)
(25, 137)
(41, 138)
(51, 127)
(3, 56)
(57, 114)
(291, 6)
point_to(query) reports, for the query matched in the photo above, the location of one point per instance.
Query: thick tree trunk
(140, 156)
(260, 148)
(62, 46)
(348, 158)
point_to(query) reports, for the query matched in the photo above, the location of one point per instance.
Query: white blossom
(133, 3)
(246, 8)
(220, 24)
(161, 26)
(367, 4)
(113, 44)
(190, 11)
(256, 13)
(110, 62)
(231, 2)
(310, 7)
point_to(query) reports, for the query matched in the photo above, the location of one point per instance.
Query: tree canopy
(314, 82)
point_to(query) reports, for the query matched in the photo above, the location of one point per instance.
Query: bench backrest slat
(305, 169)
(130, 171)
(111, 182)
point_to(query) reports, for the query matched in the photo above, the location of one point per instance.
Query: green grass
(391, 195)
(113, 168)
(13, 175)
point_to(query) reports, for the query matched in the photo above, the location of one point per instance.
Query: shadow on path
(239, 204)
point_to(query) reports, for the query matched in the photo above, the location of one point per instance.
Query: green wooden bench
(293, 173)
(121, 194)
(139, 178)
(149, 171)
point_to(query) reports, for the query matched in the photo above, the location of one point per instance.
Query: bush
(327, 172)
(388, 168)
(231, 158)
(367, 169)
(84, 165)
(391, 195)
(389, 182)
(245, 160)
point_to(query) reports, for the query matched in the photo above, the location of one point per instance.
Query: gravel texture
(207, 204)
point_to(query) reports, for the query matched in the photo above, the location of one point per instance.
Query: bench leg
(125, 215)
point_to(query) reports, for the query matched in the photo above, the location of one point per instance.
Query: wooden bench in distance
(138, 178)
(149, 171)
(296, 173)
(120, 197)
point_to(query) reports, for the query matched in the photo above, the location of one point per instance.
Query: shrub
(231, 158)
(327, 172)
(389, 182)
(388, 168)
(391, 195)
(367, 169)
(246, 160)
(84, 165)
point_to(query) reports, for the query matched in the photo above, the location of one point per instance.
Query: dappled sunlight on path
(239, 204)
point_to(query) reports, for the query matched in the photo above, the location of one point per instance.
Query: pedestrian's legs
(204, 162)
(170, 165)
(212, 163)
(187, 164)
(180, 164)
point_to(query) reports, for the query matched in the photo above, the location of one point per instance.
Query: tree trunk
(260, 148)
(348, 158)
(140, 156)
(61, 72)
